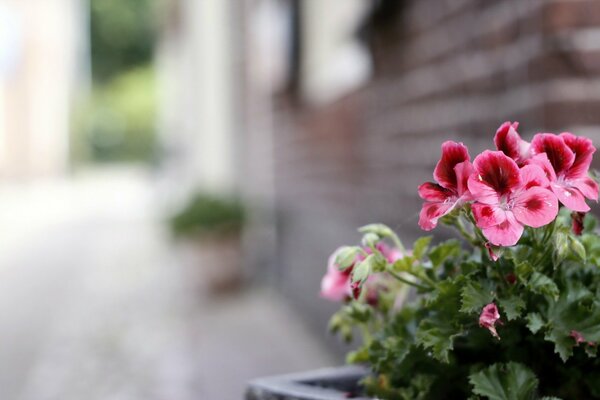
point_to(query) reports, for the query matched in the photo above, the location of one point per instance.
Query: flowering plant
(510, 312)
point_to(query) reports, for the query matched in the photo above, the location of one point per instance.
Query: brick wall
(443, 70)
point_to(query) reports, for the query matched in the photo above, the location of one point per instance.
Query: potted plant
(211, 226)
(511, 311)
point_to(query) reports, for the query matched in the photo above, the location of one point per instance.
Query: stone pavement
(95, 304)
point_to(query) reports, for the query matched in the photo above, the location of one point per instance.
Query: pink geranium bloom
(508, 198)
(508, 141)
(489, 317)
(451, 174)
(336, 284)
(570, 157)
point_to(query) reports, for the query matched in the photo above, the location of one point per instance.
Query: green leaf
(421, 246)
(511, 381)
(512, 306)
(577, 309)
(534, 322)
(541, 284)
(523, 270)
(438, 336)
(443, 251)
(358, 356)
(474, 297)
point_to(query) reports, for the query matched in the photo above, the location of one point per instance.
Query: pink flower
(489, 317)
(507, 198)
(509, 142)
(451, 174)
(570, 157)
(580, 339)
(335, 285)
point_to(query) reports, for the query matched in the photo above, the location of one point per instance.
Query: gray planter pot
(323, 384)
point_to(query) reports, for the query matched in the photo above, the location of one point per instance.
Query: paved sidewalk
(94, 305)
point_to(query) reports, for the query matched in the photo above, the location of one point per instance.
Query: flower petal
(509, 142)
(481, 191)
(488, 215)
(335, 285)
(559, 154)
(583, 149)
(507, 233)
(533, 175)
(497, 171)
(541, 160)
(433, 192)
(489, 317)
(587, 186)
(463, 171)
(431, 212)
(452, 153)
(535, 207)
(570, 196)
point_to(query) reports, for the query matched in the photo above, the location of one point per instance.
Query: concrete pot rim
(307, 385)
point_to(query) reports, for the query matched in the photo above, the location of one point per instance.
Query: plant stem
(414, 284)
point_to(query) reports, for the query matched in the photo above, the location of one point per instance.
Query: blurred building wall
(442, 69)
(199, 116)
(42, 46)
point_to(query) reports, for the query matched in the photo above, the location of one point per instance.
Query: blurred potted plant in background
(512, 312)
(212, 225)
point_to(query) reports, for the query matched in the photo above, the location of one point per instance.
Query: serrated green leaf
(438, 336)
(511, 381)
(576, 310)
(421, 246)
(404, 264)
(534, 322)
(542, 284)
(474, 297)
(443, 251)
(358, 356)
(523, 271)
(512, 306)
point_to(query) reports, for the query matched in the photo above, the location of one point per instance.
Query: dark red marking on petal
(452, 154)
(561, 157)
(498, 170)
(583, 149)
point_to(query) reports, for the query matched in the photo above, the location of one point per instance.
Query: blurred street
(95, 303)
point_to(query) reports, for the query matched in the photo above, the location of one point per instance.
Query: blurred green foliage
(206, 214)
(123, 33)
(117, 120)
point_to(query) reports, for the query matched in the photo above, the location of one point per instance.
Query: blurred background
(175, 173)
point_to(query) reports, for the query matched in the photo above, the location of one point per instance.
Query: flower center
(507, 203)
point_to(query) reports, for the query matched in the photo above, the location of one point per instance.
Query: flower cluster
(520, 184)
(512, 311)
